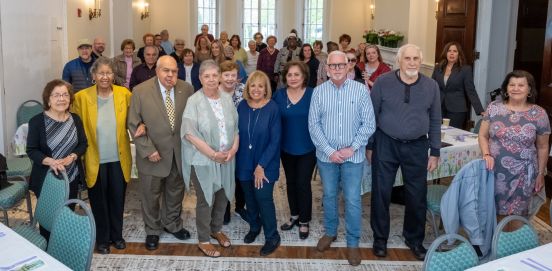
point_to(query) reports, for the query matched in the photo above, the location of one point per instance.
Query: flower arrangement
(371, 36)
(389, 38)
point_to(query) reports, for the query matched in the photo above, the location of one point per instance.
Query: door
(545, 89)
(456, 22)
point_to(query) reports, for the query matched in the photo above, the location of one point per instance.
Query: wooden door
(545, 89)
(456, 22)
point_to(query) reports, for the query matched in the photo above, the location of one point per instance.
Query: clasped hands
(58, 165)
(341, 155)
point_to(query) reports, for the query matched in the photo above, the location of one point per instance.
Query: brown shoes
(353, 256)
(324, 243)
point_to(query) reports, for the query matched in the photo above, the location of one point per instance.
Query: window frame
(261, 5)
(324, 23)
(213, 26)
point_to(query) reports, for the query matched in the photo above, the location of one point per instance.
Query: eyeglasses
(180, 44)
(107, 74)
(338, 66)
(354, 60)
(57, 96)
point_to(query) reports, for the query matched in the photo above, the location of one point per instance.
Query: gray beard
(411, 74)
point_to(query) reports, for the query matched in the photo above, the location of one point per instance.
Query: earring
(529, 95)
(93, 81)
(506, 94)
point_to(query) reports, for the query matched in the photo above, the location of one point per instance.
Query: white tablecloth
(537, 259)
(464, 149)
(16, 252)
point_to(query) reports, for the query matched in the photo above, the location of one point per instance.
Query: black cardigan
(37, 150)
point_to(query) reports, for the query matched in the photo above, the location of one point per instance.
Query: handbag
(3, 175)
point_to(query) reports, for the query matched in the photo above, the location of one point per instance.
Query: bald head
(167, 71)
(99, 45)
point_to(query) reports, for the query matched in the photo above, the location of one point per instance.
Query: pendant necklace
(249, 123)
(289, 104)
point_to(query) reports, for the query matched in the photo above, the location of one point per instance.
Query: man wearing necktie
(159, 103)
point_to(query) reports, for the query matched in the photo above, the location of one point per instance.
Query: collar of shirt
(344, 85)
(164, 91)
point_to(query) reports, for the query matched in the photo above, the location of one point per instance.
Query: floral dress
(512, 143)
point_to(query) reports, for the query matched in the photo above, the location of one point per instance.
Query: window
(258, 16)
(207, 14)
(313, 25)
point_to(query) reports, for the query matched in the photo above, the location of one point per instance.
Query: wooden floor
(290, 252)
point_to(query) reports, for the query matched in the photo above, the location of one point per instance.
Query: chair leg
(6, 218)
(434, 224)
(29, 206)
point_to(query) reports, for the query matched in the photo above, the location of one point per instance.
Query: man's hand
(369, 156)
(346, 153)
(432, 163)
(140, 130)
(335, 157)
(154, 157)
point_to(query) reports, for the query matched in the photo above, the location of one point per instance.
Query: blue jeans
(348, 176)
(260, 208)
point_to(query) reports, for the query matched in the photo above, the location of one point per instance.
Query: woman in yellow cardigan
(103, 109)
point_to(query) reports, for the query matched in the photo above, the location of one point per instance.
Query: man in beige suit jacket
(158, 156)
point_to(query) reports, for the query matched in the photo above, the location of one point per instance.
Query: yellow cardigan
(86, 106)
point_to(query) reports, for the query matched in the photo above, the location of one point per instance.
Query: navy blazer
(459, 87)
(195, 75)
(37, 150)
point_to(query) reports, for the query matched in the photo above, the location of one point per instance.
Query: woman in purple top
(267, 59)
(514, 142)
(298, 152)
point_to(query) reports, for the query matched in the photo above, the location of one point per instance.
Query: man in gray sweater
(408, 110)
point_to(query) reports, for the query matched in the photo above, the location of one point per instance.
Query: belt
(424, 137)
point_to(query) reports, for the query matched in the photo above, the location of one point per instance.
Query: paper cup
(446, 122)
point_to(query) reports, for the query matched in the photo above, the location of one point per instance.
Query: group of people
(226, 137)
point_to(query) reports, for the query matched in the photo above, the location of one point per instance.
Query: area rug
(161, 263)
(133, 229)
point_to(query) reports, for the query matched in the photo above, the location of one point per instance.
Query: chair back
(508, 243)
(459, 258)
(27, 110)
(73, 236)
(53, 194)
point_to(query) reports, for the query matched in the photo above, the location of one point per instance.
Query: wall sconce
(436, 9)
(145, 11)
(95, 12)
(372, 8)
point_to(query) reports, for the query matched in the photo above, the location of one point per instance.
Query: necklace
(249, 124)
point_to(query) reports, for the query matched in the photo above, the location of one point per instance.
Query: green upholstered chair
(434, 195)
(508, 243)
(460, 258)
(13, 195)
(73, 236)
(53, 194)
(27, 110)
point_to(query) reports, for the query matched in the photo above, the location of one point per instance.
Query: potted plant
(371, 37)
(390, 38)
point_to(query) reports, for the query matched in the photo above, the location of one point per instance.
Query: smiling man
(341, 120)
(77, 71)
(408, 109)
(158, 154)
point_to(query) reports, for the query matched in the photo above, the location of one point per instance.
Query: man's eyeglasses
(57, 95)
(337, 66)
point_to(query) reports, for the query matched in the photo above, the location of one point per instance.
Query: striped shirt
(341, 117)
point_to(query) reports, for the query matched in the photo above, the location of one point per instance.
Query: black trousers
(298, 170)
(412, 157)
(457, 119)
(239, 198)
(107, 199)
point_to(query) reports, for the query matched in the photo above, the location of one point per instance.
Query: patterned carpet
(133, 229)
(159, 263)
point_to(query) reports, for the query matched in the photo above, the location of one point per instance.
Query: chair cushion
(434, 195)
(19, 166)
(517, 241)
(460, 258)
(32, 235)
(12, 194)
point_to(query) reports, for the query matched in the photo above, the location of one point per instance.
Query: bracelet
(214, 156)
(487, 154)
(543, 172)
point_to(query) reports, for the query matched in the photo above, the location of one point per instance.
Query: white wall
(139, 26)
(33, 55)
(83, 27)
(173, 15)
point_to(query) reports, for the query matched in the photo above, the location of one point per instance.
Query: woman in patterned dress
(514, 142)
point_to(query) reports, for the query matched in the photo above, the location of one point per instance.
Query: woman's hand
(231, 154)
(140, 130)
(489, 162)
(259, 177)
(55, 164)
(68, 159)
(539, 183)
(220, 157)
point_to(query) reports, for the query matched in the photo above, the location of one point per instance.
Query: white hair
(403, 48)
(338, 53)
